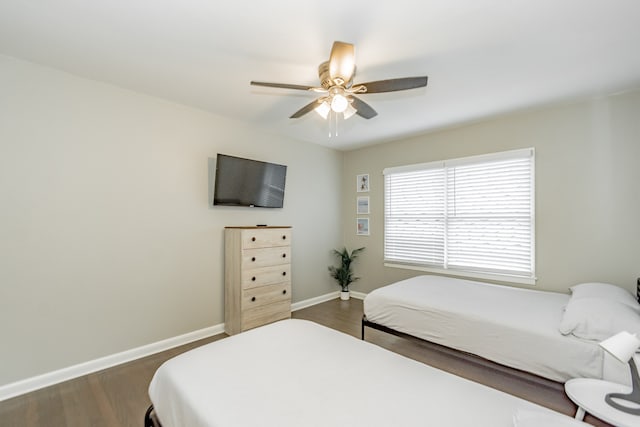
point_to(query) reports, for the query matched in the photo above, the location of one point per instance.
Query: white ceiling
(483, 57)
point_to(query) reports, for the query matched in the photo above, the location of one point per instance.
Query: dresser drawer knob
(253, 239)
(284, 237)
(284, 292)
(284, 273)
(284, 255)
(253, 279)
(253, 259)
(253, 298)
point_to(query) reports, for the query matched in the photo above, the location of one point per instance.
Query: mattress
(298, 373)
(511, 326)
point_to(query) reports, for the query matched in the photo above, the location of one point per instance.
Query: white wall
(107, 241)
(587, 188)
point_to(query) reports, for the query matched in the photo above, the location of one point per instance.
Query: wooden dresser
(257, 277)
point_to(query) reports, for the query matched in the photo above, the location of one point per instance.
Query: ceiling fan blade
(307, 108)
(342, 62)
(393, 85)
(362, 108)
(282, 85)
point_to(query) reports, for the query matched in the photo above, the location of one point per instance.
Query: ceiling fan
(337, 87)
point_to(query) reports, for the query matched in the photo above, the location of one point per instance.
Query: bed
(298, 373)
(513, 327)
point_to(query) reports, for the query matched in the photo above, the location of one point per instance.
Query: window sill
(467, 274)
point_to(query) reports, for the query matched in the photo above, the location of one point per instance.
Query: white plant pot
(344, 296)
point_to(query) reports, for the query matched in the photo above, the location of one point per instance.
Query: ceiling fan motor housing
(325, 77)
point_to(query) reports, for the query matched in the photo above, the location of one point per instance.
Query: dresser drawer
(253, 258)
(265, 276)
(255, 297)
(265, 314)
(265, 237)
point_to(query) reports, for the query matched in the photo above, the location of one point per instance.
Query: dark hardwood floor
(117, 397)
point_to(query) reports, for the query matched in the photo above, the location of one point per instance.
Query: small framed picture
(363, 205)
(362, 226)
(362, 182)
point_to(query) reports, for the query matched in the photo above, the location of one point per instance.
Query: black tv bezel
(245, 159)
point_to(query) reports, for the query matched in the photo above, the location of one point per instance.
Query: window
(472, 216)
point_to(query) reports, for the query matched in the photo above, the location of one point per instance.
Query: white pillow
(598, 318)
(606, 291)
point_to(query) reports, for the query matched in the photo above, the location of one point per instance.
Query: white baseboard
(27, 385)
(313, 301)
(323, 298)
(358, 295)
(50, 378)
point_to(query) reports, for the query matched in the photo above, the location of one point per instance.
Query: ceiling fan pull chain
(333, 124)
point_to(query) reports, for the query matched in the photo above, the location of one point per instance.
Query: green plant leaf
(343, 274)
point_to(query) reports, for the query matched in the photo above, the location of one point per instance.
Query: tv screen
(246, 182)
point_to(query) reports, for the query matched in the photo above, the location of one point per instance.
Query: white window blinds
(474, 214)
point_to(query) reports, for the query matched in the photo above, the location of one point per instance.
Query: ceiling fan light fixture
(350, 111)
(323, 109)
(339, 103)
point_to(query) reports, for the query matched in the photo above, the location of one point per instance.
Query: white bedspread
(512, 326)
(298, 373)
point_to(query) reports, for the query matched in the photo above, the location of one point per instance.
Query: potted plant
(343, 273)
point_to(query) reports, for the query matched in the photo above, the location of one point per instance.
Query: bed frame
(150, 418)
(469, 358)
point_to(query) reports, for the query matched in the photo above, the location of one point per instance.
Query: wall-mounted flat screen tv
(246, 182)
